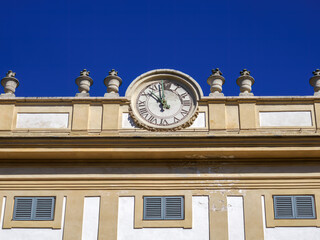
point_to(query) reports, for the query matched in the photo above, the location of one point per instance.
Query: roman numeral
(176, 119)
(163, 122)
(183, 95)
(152, 119)
(143, 112)
(177, 88)
(153, 87)
(186, 103)
(184, 112)
(142, 103)
(167, 86)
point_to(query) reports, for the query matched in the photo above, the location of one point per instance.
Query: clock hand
(163, 97)
(157, 98)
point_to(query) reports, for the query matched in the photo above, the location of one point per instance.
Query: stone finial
(216, 80)
(245, 81)
(315, 82)
(84, 72)
(112, 82)
(10, 83)
(84, 83)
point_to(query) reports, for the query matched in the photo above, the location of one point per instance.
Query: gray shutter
(173, 208)
(44, 208)
(283, 207)
(152, 208)
(304, 207)
(22, 208)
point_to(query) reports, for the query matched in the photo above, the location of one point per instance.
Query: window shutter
(22, 209)
(305, 207)
(44, 208)
(283, 206)
(152, 208)
(173, 208)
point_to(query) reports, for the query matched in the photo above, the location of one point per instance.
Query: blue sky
(47, 43)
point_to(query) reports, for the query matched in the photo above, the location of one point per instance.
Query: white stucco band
(31, 233)
(42, 120)
(199, 231)
(285, 119)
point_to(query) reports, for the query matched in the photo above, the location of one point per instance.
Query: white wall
(42, 120)
(31, 233)
(235, 218)
(289, 233)
(285, 119)
(90, 225)
(199, 231)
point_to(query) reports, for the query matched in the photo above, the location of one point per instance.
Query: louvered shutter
(304, 207)
(173, 208)
(153, 208)
(22, 209)
(44, 208)
(283, 207)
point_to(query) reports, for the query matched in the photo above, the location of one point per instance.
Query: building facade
(162, 162)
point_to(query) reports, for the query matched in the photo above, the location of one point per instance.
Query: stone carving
(112, 82)
(245, 81)
(216, 80)
(315, 82)
(10, 83)
(84, 83)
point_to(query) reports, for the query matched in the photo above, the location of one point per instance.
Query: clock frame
(163, 102)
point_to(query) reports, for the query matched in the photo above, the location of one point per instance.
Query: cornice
(163, 148)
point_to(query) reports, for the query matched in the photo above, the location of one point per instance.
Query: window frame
(294, 206)
(34, 205)
(140, 223)
(271, 221)
(163, 207)
(8, 202)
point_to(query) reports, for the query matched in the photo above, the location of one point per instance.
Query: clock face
(165, 104)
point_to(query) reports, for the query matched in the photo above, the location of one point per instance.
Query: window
(33, 208)
(293, 207)
(163, 208)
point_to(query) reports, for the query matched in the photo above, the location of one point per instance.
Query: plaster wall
(199, 231)
(285, 233)
(285, 119)
(235, 218)
(42, 120)
(31, 233)
(90, 224)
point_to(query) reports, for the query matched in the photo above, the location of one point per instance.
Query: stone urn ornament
(112, 82)
(84, 83)
(10, 83)
(216, 80)
(245, 82)
(315, 82)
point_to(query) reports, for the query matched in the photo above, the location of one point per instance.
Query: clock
(164, 105)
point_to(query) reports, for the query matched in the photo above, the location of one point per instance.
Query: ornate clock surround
(156, 76)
